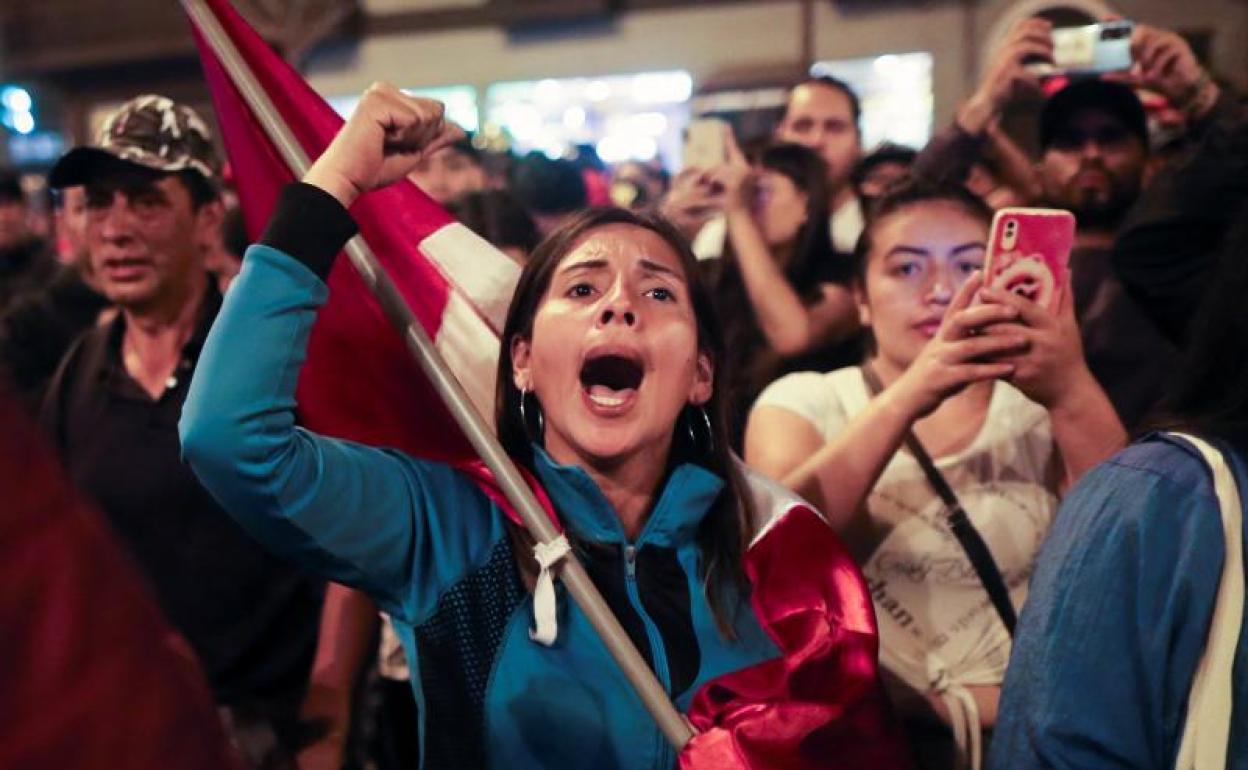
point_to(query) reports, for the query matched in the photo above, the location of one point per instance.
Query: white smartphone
(1094, 49)
(704, 143)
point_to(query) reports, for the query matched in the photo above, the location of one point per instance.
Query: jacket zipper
(657, 650)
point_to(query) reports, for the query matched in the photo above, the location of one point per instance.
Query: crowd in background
(863, 357)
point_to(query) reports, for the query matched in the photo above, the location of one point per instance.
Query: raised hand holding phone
(1050, 368)
(735, 174)
(960, 354)
(1166, 63)
(1009, 73)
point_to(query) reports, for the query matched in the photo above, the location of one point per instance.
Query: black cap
(467, 147)
(1113, 98)
(150, 131)
(548, 186)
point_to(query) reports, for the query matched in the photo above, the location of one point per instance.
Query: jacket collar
(686, 497)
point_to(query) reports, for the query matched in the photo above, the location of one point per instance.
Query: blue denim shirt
(1117, 617)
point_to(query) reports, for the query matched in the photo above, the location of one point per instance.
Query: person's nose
(115, 219)
(617, 306)
(1091, 149)
(941, 287)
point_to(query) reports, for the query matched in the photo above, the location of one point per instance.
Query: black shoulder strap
(959, 523)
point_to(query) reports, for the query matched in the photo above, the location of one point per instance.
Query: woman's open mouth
(610, 382)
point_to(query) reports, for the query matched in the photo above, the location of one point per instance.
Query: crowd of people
(803, 321)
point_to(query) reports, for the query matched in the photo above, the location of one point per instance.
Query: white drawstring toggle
(548, 555)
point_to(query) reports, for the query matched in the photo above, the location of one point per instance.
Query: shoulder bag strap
(1207, 728)
(959, 523)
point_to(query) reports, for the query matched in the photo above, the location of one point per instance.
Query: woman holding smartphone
(779, 290)
(999, 397)
(607, 393)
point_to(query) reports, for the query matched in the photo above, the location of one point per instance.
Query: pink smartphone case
(1028, 253)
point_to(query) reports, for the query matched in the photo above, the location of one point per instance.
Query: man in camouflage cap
(151, 155)
(113, 408)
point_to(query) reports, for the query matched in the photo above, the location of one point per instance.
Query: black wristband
(310, 225)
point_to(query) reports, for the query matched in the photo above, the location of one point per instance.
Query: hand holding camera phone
(1029, 252)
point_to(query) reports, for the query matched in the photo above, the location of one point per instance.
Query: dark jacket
(38, 328)
(1167, 248)
(25, 267)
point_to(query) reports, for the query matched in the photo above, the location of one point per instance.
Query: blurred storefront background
(623, 78)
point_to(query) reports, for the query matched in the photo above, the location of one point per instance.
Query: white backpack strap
(1206, 732)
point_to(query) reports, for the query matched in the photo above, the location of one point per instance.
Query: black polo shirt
(252, 619)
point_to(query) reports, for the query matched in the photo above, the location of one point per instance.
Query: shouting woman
(607, 393)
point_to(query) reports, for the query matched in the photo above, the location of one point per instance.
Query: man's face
(822, 118)
(12, 223)
(448, 174)
(1094, 167)
(144, 237)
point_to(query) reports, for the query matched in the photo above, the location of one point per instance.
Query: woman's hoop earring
(524, 418)
(706, 422)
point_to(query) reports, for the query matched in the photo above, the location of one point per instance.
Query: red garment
(91, 676)
(821, 705)
(597, 187)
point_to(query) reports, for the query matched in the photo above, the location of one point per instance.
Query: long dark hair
(1211, 396)
(812, 246)
(722, 535)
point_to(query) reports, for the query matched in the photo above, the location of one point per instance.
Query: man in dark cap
(26, 264)
(1094, 143)
(1095, 151)
(113, 408)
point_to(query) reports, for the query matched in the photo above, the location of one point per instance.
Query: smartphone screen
(704, 143)
(1093, 49)
(1029, 253)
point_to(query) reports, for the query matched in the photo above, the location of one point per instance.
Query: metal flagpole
(573, 575)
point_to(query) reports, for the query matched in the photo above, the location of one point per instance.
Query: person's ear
(208, 221)
(521, 373)
(804, 202)
(703, 380)
(864, 307)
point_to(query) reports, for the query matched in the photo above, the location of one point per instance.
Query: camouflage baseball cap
(150, 131)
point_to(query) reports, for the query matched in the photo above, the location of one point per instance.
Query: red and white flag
(457, 284)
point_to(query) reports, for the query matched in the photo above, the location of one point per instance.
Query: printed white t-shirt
(938, 629)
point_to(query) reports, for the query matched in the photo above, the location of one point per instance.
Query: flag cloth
(457, 284)
(93, 676)
(819, 706)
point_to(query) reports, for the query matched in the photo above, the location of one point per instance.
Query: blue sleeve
(400, 528)
(1116, 619)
